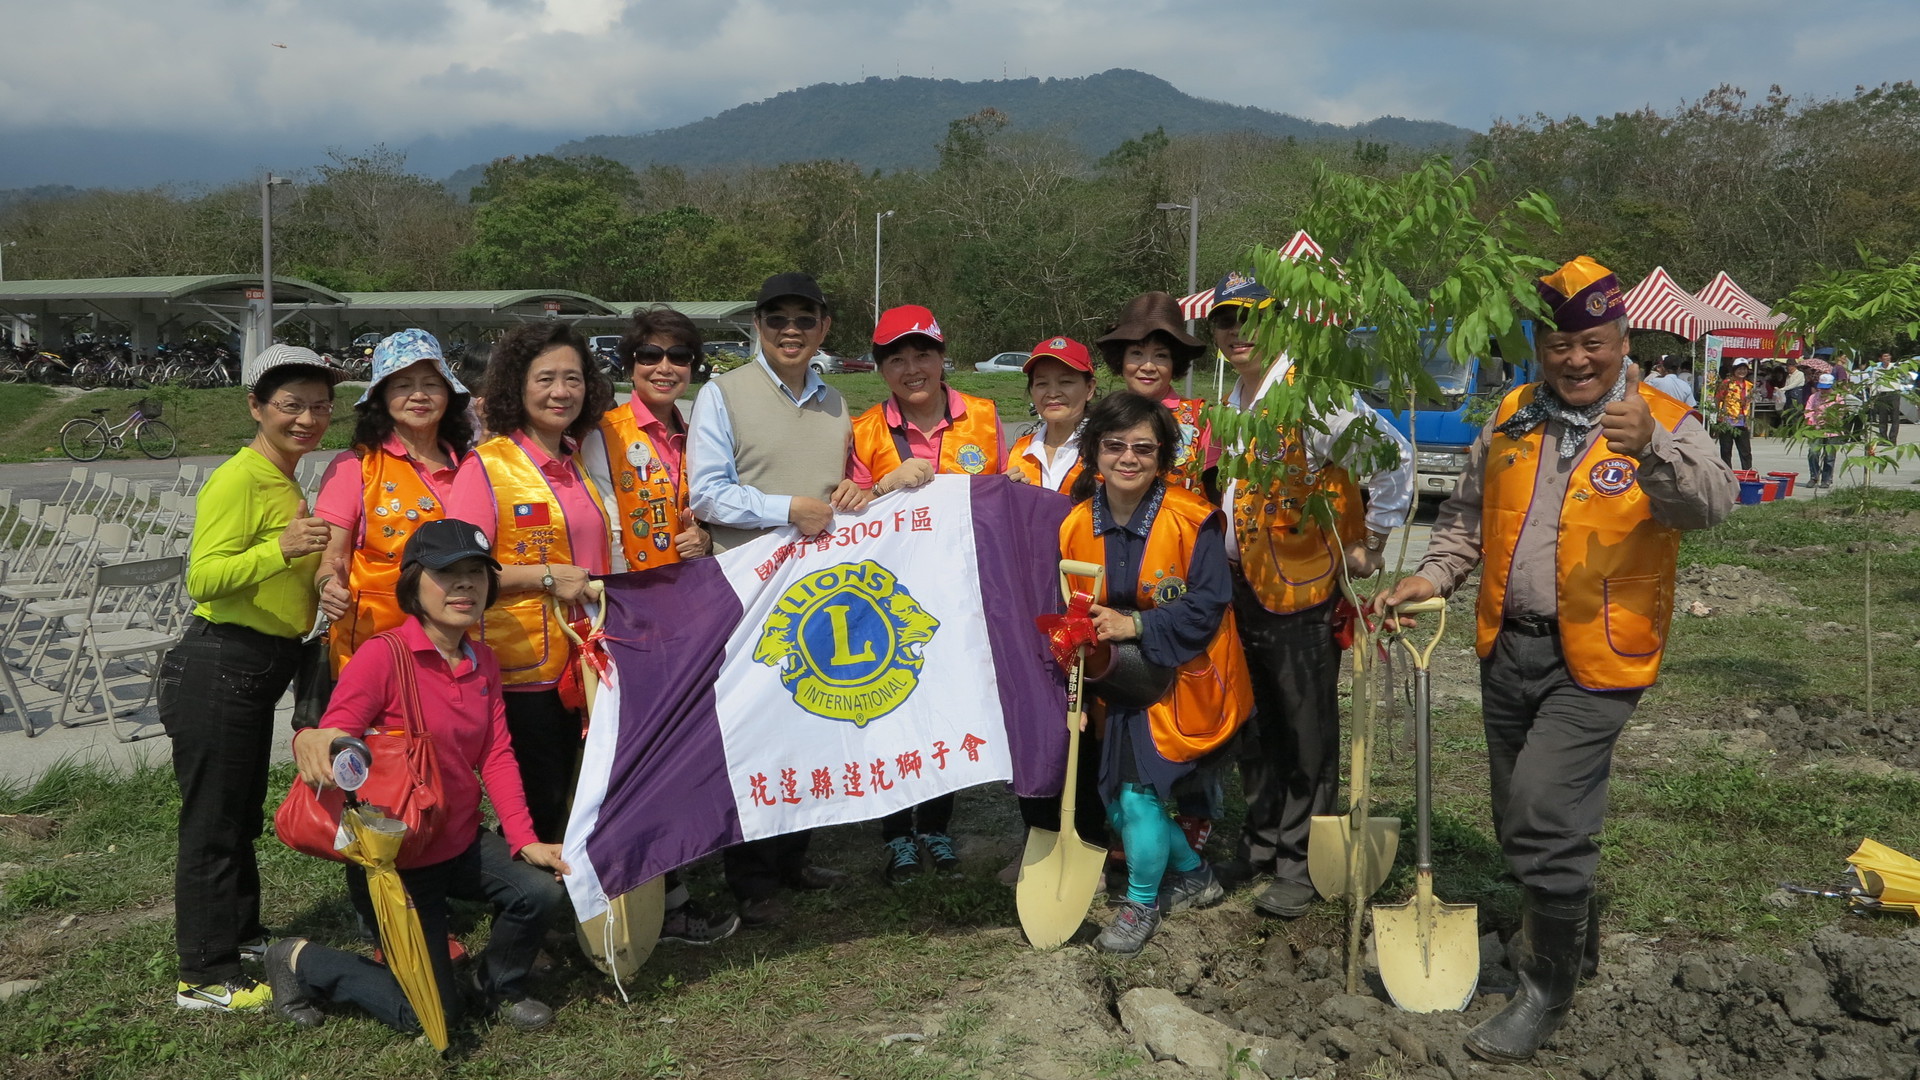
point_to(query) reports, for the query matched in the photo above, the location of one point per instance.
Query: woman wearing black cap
(1150, 349)
(250, 568)
(448, 576)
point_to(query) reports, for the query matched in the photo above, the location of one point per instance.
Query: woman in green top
(251, 571)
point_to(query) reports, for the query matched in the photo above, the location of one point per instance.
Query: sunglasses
(1140, 449)
(802, 323)
(649, 355)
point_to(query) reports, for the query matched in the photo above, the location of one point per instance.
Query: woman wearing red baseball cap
(1060, 384)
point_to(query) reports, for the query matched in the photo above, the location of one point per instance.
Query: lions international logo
(972, 459)
(848, 641)
(1166, 588)
(1612, 476)
(1597, 305)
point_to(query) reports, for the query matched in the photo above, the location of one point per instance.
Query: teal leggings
(1152, 839)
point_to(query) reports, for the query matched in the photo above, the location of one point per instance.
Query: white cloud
(357, 71)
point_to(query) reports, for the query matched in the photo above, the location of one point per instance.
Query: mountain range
(899, 123)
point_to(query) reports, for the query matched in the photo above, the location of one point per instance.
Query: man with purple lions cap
(1575, 494)
(410, 430)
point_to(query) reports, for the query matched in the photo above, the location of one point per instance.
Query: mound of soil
(1846, 1007)
(1891, 739)
(1732, 590)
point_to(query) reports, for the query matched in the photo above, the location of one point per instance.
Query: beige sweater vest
(780, 448)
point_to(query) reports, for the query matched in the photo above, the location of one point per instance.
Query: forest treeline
(1015, 235)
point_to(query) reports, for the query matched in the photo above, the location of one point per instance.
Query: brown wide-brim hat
(1144, 315)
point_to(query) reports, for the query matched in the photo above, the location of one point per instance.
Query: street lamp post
(3, 257)
(267, 184)
(1192, 207)
(13, 325)
(877, 219)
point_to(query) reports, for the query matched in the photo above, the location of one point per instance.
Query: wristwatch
(1376, 541)
(546, 581)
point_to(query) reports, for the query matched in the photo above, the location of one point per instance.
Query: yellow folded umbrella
(374, 842)
(1887, 877)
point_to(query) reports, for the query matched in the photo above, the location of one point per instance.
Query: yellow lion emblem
(848, 642)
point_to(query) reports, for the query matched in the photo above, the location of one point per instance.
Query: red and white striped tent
(1724, 293)
(1199, 304)
(1658, 303)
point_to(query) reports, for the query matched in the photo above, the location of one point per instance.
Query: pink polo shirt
(342, 502)
(924, 445)
(463, 710)
(669, 446)
(472, 500)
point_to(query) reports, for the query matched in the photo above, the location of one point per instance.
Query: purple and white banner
(789, 684)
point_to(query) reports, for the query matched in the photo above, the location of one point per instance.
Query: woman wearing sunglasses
(1168, 595)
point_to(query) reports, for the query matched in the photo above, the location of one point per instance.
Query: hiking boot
(1129, 931)
(902, 860)
(1191, 889)
(242, 993)
(939, 845)
(526, 1014)
(1287, 899)
(765, 911)
(690, 926)
(289, 999)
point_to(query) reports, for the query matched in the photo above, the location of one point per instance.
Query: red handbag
(404, 781)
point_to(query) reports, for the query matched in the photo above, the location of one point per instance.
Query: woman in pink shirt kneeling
(447, 578)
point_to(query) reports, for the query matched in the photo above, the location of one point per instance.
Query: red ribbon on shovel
(1067, 634)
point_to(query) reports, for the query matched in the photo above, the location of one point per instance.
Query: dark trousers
(522, 896)
(1089, 813)
(1886, 415)
(546, 742)
(1742, 438)
(1820, 455)
(1289, 750)
(756, 869)
(1550, 750)
(217, 692)
(930, 816)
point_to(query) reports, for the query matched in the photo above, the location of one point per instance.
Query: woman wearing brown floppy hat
(1149, 349)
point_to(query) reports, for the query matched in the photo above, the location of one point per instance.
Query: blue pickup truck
(1441, 428)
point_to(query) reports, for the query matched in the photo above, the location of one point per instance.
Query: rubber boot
(1554, 933)
(1590, 963)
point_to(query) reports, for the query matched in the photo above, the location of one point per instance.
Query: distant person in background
(1734, 400)
(1794, 389)
(1150, 349)
(250, 570)
(1060, 384)
(1823, 429)
(1671, 383)
(1885, 385)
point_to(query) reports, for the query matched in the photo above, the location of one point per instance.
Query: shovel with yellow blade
(1059, 872)
(1429, 951)
(620, 939)
(1350, 854)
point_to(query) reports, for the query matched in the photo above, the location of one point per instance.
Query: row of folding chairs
(93, 595)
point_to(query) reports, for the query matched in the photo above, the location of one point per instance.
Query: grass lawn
(1703, 827)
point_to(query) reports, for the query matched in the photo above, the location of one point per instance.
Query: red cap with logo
(896, 323)
(1064, 349)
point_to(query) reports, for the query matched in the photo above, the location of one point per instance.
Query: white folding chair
(110, 543)
(191, 477)
(134, 615)
(61, 574)
(76, 483)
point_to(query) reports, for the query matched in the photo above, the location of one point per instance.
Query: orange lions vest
(1190, 415)
(647, 500)
(523, 632)
(395, 501)
(1614, 564)
(969, 445)
(1289, 557)
(1212, 694)
(1017, 462)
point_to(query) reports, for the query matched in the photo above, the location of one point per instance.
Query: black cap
(795, 284)
(440, 544)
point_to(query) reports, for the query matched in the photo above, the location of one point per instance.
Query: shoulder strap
(403, 670)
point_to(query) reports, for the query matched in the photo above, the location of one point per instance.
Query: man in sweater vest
(1287, 564)
(924, 427)
(1575, 495)
(768, 447)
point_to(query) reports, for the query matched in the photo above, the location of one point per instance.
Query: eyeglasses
(1140, 449)
(649, 355)
(802, 323)
(295, 408)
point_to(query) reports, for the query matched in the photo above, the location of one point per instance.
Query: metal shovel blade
(1331, 840)
(1429, 951)
(619, 940)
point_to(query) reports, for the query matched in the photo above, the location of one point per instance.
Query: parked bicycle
(84, 439)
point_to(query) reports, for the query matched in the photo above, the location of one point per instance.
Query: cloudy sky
(135, 91)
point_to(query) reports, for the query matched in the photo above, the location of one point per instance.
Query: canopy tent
(1658, 303)
(1199, 304)
(1724, 293)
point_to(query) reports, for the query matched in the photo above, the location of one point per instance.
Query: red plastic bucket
(1769, 490)
(1787, 480)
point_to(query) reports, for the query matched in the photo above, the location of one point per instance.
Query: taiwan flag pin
(531, 515)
